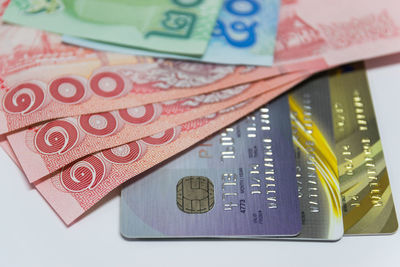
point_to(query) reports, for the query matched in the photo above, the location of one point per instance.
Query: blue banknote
(239, 183)
(244, 33)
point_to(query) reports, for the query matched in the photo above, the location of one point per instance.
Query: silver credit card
(239, 183)
(317, 174)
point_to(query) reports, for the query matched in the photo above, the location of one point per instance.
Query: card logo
(195, 194)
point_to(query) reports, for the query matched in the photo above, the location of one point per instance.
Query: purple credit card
(238, 183)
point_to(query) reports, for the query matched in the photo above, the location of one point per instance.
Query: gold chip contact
(195, 194)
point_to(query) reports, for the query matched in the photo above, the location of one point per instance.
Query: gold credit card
(367, 202)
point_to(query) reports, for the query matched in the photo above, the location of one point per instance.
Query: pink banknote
(79, 186)
(43, 79)
(336, 31)
(48, 147)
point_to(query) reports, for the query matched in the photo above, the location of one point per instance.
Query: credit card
(239, 183)
(368, 206)
(317, 174)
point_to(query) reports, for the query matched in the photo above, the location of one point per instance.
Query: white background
(32, 235)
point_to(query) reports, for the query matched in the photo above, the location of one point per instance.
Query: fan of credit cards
(213, 118)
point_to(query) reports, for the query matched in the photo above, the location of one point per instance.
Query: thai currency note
(42, 79)
(244, 33)
(341, 31)
(80, 185)
(46, 148)
(177, 26)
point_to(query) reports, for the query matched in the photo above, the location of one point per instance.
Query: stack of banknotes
(215, 118)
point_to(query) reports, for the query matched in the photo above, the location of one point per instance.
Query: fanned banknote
(244, 34)
(82, 184)
(46, 148)
(176, 26)
(43, 79)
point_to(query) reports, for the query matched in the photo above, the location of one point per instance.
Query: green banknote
(174, 26)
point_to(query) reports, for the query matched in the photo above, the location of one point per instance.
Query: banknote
(42, 79)
(82, 184)
(245, 33)
(340, 32)
(239, 183)
(46, 148)
(177, 26)
(368, 206)
(317, 170)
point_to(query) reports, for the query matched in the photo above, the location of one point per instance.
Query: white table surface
(32, 235)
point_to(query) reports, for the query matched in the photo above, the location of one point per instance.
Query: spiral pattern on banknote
(99, 124)
(109, 84)
(162, 138)
(25, 98)
(56, 137)
(83, 175)
(124, 154)
(68, 89)
(141, 115)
